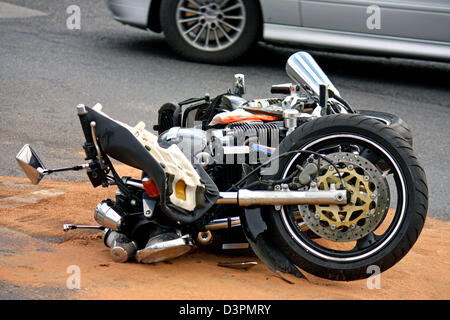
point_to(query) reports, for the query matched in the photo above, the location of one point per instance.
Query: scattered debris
(242, 265)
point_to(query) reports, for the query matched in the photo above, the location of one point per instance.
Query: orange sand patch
(422, 274)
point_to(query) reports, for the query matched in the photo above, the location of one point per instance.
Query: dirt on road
(38, 259)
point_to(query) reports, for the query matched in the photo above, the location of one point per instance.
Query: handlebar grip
(287, 88)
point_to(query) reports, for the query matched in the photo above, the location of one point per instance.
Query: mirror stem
(75, 168)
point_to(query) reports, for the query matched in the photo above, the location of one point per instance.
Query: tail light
(150, 187)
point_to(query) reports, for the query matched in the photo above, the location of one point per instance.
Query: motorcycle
(305, 180)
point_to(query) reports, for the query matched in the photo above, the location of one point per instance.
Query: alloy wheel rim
(210, 25)
(391, 232)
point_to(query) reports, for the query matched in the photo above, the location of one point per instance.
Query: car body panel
(281, 12)
(407, 28)
(354, 42)
(132, 12)
(416, 19)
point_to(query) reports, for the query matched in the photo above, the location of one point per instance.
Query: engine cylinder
(107, 216)
(122, 248)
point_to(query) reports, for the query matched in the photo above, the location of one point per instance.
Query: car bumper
(132, 12)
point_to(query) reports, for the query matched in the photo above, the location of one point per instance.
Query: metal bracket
(97, 148)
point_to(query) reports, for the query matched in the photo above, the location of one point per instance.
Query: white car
(218, 31)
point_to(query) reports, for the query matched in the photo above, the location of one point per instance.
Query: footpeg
(68, 226)
(165, 246)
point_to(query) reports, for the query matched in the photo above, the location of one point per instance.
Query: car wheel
(210, 31)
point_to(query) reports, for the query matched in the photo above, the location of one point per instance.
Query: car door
(286, 12)
(410, 19)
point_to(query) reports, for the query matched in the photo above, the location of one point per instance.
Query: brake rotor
(367, 206)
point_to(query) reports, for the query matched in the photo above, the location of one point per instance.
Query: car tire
(228, 38)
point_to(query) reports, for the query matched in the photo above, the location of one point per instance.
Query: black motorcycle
(304, 179)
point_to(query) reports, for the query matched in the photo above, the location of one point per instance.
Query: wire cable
(237, 185)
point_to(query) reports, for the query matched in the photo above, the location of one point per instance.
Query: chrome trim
(354, 42)
(223, 223)
(246, 197)
(122, 249)
(107, 216)
(402, 213)
(94, 138)
(122, 252)
(227, 198)
(134, 183)
(157, 250)
(290, 120)
(182, 241)
(249, 197)
(69, 226)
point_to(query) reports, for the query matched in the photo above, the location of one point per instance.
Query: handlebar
(287, 88)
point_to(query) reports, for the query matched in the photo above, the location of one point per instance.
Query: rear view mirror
(304, 70)
(31, 164)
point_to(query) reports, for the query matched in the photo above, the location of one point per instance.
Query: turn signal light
(180, 190)
(150, 187)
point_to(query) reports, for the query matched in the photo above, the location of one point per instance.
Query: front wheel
(391, 120)
(210, 31)
(387, 206)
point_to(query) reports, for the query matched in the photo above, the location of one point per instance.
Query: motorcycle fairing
(255, 230)
(174, 163)
(122, 143)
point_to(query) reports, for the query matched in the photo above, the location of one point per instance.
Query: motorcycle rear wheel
(382, 250)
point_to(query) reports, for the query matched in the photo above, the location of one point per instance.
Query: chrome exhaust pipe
(223, 223)
(245, 198)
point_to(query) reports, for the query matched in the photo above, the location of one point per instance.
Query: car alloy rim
(210, 25)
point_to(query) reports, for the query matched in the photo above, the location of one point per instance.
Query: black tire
(391, 120)
(409, 223)
(244, 42)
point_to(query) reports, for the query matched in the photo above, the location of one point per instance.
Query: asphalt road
(47, 69)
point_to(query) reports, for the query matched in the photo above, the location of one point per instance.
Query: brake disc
(367, 206)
